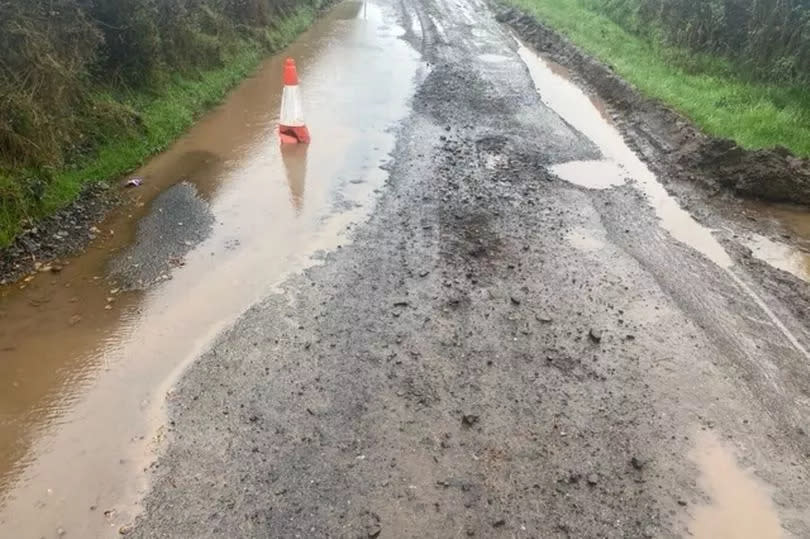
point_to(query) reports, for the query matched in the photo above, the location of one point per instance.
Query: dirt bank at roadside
(665, 137)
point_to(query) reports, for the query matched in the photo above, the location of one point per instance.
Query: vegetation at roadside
(766, 39)
(90, 88)
(743, 87)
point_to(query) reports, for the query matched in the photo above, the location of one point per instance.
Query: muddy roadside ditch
(48, 243)
(666, 138)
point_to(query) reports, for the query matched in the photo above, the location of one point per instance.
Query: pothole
(600, 174)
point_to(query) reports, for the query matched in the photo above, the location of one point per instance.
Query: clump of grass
(702, 87)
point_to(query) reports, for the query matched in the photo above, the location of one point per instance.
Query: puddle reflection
(294, 157)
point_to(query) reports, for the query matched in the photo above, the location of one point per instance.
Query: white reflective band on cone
(292, 113)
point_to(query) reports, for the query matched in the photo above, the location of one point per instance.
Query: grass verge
(705, 89)
(166, 113)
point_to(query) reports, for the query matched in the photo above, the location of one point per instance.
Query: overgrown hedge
(769, 39)
(64, 63)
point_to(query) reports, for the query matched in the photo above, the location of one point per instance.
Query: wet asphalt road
(497, 353)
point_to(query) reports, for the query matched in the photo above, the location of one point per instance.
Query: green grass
(166, 112)
(705, 89)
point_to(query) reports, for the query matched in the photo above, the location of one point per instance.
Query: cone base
(294, 135)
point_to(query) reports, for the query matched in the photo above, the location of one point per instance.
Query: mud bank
(667, 138)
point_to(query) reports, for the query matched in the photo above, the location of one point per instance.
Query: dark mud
(61, 235)
(465, 367)
(668, 139)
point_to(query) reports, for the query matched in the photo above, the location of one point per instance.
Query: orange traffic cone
(292, 129)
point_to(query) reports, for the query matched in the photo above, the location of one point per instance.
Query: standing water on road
(86, 364)
(741, 505)
(620, 163)
(792, 222)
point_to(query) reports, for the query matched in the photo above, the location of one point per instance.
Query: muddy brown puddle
(739, 505)
(86, 368)
(791, 251)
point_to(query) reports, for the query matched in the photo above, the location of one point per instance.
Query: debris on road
(468, 420)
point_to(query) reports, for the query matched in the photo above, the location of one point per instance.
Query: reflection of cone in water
(295, 165)
(291, 127)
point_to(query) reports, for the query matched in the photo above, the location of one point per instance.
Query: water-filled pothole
(740, 505)
(619, 161)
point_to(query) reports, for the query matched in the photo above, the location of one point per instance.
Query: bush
(45, 52)
(767, 39)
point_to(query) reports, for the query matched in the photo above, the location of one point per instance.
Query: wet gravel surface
(177, 221)
(469, 366)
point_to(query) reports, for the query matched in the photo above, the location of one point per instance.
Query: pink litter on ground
(134, 182)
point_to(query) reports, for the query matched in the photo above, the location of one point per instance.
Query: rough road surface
(497, 353)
